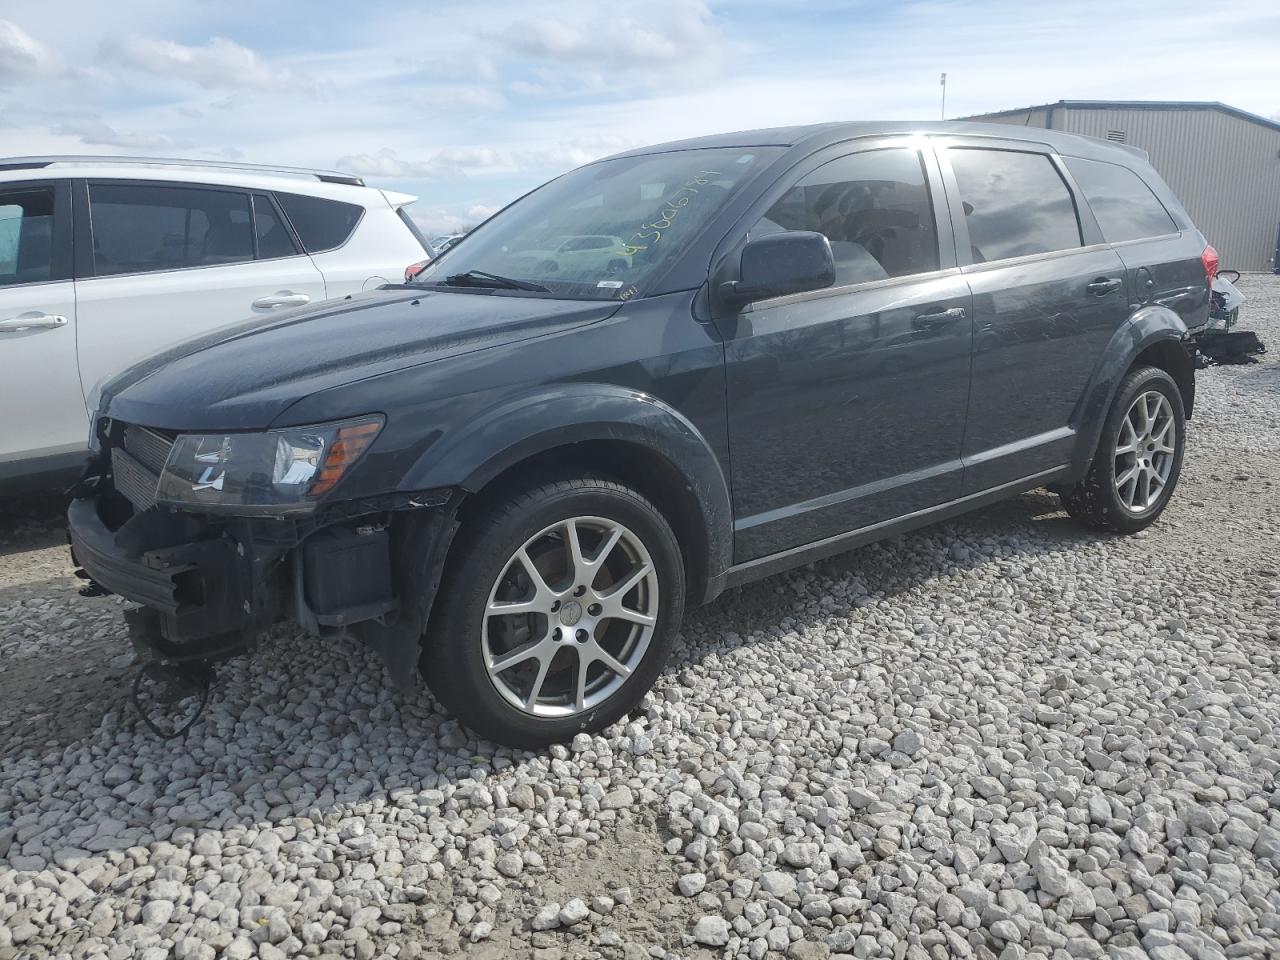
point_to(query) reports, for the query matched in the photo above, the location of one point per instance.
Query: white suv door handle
(282, 300)
(14, 324)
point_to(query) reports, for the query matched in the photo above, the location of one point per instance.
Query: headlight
(278, 471)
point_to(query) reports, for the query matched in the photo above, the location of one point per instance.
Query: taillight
(413, 269)
(1210, 260)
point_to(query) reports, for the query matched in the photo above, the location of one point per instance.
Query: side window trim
(61, 265)
(1090, 234)
(86, 264)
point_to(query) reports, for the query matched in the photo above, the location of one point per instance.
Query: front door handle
(924, 321)
(1104, 285)
(47, 320)
(282, 300)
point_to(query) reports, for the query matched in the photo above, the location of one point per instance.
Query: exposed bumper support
(209, 587)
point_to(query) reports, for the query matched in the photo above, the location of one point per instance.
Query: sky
(470, 104)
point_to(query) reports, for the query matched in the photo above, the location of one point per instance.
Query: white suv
(105, 260)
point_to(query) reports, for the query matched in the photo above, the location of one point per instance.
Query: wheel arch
(1153, 334)
(626, 434)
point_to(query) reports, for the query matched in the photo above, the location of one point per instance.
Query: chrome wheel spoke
(521, 655)
(598, 652)
(580, 687)
(621, 590)
(576, 561)
(544, 664)
(614, 610)
(542, 592)
(1142, 423)
(501, 608)
(606, 548)
(1128, 438)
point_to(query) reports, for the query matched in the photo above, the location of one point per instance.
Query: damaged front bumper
(210, 586)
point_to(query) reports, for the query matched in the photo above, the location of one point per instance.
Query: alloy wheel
(1145, 451)
(570, 617)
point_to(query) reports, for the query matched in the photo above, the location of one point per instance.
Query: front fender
(1146, 326)
(551, 417)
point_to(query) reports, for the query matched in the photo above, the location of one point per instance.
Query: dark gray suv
(660, 375)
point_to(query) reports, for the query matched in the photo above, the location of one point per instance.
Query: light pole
(943, 115)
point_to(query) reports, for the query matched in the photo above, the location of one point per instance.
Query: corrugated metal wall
(1226, 170)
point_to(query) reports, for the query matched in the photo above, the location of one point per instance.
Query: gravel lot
(999, 737)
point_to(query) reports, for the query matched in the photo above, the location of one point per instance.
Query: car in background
(105, 260)
(577, 256)
(442, 244)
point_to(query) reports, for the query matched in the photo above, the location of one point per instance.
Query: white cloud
(21, 56)
(448, 164)
(455, 163)
(91, 130)
(618, 45)
(461, 96)
(629, 35)
(569, 153)
(217, 65)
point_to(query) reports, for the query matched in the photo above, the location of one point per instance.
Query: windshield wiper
(478, 278)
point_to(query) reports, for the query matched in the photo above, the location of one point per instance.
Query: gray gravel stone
(713, 931)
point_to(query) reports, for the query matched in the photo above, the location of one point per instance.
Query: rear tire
(538, 637)
(1139, 457)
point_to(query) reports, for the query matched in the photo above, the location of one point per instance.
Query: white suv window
(26, 236)
(142, 228)
(320, 224)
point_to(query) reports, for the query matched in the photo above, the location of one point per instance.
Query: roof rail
(35, 163)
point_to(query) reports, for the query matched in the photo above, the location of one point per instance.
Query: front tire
(1139, 456)
(557, 612)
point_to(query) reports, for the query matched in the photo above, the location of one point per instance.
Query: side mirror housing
(782, 263)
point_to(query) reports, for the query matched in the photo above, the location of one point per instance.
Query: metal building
(1222, 162)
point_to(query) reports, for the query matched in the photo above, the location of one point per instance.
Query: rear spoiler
(398, 200)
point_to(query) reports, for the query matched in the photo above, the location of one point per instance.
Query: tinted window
(626, 218)
(139, 228)
(1124, 205)
(273, 236)
(26, 237)
(874, 208)
(320, 224)
(1015, 204)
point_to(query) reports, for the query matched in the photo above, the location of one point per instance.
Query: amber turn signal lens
(350, 442)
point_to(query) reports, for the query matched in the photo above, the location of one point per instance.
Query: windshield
(599, 232)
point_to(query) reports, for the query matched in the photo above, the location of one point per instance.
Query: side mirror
(782, 263)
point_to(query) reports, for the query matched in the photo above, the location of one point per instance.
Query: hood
(244, 375)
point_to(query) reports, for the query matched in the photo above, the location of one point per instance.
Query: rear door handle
(282, 300)
(1104, 285)
(47, 320)
(924, 321)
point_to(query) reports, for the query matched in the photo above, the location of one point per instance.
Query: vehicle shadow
(278, 736)
(1027, 526)
(32, 521)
